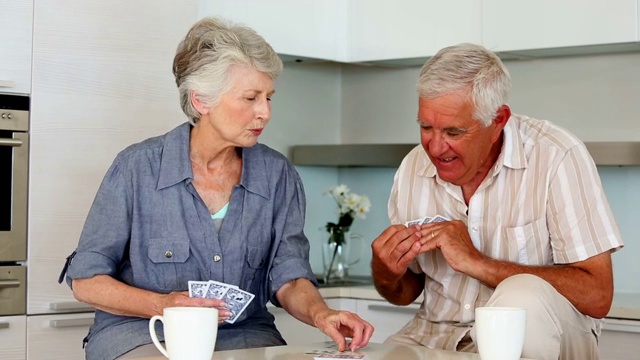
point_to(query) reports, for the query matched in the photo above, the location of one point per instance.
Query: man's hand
(392, 252)
(452, 238)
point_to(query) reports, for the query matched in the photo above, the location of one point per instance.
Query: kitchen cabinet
(302, 28)
(541, 24)
(296, 332)
(620, 339)
(57, 337)
(101, 81)
(386, 318)
(383, 30)
(13, 337)
(16, 22)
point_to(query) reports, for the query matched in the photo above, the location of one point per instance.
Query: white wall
(305, 107)
(594, 96)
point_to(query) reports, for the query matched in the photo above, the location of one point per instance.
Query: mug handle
(152, 332)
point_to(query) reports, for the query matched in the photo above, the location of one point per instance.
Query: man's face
(461, 148)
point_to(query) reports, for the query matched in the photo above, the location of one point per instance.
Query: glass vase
(338, 255)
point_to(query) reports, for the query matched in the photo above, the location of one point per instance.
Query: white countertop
(373, 351)
(625, 305)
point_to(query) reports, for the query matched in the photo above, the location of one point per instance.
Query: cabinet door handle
(7, 84)
(65, 323)
(4, 325)
(10, 142)
(71, 306)
(390, 308)
(9, 283)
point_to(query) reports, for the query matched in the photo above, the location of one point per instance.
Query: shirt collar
(175, 163)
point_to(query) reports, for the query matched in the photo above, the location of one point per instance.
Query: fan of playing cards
(426, 220)
(237, 300)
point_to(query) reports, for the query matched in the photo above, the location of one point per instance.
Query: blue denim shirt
(147, 206)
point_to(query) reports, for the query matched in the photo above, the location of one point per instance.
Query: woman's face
(244, 110)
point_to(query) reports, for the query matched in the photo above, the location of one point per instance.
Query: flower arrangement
(350, 205)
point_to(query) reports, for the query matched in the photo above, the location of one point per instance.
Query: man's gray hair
(204, 59)
(472, 67)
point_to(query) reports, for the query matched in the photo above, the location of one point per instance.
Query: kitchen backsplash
(620, 184)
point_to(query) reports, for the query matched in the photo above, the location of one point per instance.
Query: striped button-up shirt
(542, 203)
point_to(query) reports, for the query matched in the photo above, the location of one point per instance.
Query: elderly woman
(204, 201)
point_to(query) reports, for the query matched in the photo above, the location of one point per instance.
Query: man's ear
(500, 121)
(197, 104)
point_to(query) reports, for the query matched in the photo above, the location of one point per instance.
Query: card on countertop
(339, 356)
(237, 300)
(198, 289)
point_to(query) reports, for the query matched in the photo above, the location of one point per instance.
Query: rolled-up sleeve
(291, 259)
(106, 231)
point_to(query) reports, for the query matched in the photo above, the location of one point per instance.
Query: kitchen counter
(625, 305)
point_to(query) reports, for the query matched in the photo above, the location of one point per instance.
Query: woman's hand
(175, 299)
(339, 325)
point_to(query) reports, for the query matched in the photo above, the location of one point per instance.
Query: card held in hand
(237, 300)
(198, 289)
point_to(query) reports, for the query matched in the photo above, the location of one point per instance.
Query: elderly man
(530, 224)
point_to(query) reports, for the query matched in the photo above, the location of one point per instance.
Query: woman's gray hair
(467, 66)
(208, 52)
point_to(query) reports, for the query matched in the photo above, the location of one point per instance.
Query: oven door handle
(10, 142)
(7, 83)
(9, 283)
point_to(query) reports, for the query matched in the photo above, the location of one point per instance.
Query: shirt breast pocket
(256, 266)
(528, 244)
(170, 270)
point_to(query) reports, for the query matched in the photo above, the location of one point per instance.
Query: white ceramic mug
(500, 332)
(189, 332)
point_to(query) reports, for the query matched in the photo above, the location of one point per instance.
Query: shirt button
(217, 258)
(467, 306)
(168, 254)
(474, 229)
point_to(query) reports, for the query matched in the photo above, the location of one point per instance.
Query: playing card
(223, 284)
(198, 289)
(216, 290)
(339, 356)
(237, 300)
(413, 222)
(439, 218)
(426, 220)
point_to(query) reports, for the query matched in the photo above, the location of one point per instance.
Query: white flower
(349, 203)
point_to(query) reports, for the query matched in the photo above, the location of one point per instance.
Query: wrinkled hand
(452, 238)
(339, 325)
(394, 250)
(182, 299)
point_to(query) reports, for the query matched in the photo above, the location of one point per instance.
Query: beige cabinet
(386, 318)
(541, 24)
(620, 339)
(101, 81)
(16, 21)
(57, 337)
(13, 337)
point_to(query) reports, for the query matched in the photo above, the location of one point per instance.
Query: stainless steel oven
(14, 168)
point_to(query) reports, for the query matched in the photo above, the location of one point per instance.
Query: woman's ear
(197, 103)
